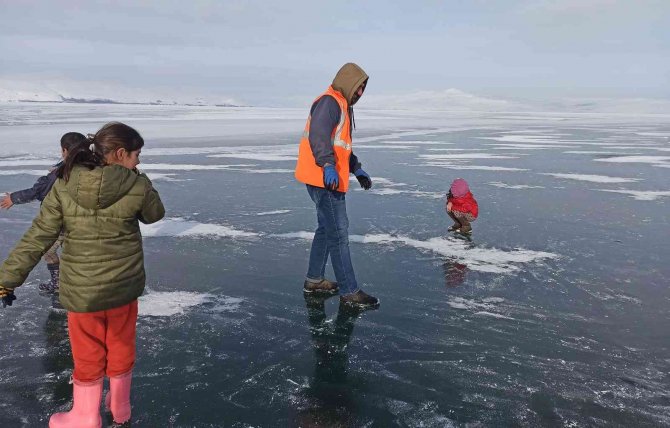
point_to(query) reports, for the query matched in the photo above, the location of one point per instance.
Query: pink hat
(459, 187)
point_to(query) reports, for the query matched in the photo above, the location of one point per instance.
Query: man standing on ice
(325, 161)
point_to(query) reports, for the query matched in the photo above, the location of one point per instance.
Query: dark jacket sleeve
(152, 206)
(39, 190)
(35, 242)
(326, 115)
(354, 163)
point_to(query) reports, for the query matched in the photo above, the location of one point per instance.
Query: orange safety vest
(306, 170)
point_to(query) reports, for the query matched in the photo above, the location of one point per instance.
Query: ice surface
(531, 323)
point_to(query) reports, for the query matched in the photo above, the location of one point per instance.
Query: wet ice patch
(513, 186)
(640, 195)
(180, 228)
(592, 178)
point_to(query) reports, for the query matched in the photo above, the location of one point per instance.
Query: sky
(283, 53)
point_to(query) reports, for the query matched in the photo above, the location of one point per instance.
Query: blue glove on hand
(330, 178)
(363, 178)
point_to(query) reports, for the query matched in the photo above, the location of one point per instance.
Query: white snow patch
(274, 212)
(480, 259)
(167, 304)
(473, 167)
(26, 162)
(592, 178)
(653, 160)
(465, 156)
(186, 167)
(179, 227)
(154, 176)
(640, 195)
(38, 172)
(513, 186)
(483, 308)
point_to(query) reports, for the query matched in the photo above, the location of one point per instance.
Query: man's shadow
(331, 402)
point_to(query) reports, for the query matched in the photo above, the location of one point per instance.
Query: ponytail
(82, 153)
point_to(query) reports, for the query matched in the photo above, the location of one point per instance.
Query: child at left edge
(38, 192)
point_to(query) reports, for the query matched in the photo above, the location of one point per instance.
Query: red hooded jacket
(464, 204)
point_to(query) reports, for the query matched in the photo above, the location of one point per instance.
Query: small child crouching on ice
(461, 207)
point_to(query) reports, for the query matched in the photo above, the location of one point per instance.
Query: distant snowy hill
(449, 99)
(66, 91)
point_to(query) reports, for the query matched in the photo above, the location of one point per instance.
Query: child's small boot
(117, 399)
(465, 229)
(85, 411)
(53, 284)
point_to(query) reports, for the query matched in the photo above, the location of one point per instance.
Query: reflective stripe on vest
(307, 171)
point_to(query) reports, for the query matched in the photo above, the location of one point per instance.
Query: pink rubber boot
(118, 398)
(85, 411)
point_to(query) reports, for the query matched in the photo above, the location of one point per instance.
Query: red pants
(103, 342)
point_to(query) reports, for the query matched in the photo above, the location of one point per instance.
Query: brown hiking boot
(322, 287)
(360, 299)
(454, 227)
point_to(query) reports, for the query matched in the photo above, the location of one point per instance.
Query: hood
(348, 79)
(100, 187)
(459, 188)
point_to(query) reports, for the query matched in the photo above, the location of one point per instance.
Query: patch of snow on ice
(640, 195)
(653, 160)
(167, 304)
(274, 212)
(480, 259)
(513, 186)
(178, 227)
(592, 178)
(26, 162)
(473, 167)
(466, 156)
(38, 172)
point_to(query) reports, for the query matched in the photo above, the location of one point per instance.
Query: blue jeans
(331, 238)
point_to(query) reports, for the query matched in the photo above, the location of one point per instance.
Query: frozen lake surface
(556, 314)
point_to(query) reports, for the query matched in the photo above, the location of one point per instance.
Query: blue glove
(363, 178)
(330, 178)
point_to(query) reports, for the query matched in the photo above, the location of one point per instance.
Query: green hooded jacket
(102, 264)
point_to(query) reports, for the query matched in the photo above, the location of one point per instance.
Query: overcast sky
(279, 52)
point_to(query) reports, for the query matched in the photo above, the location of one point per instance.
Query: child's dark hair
(71, 140)
(93, 151)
